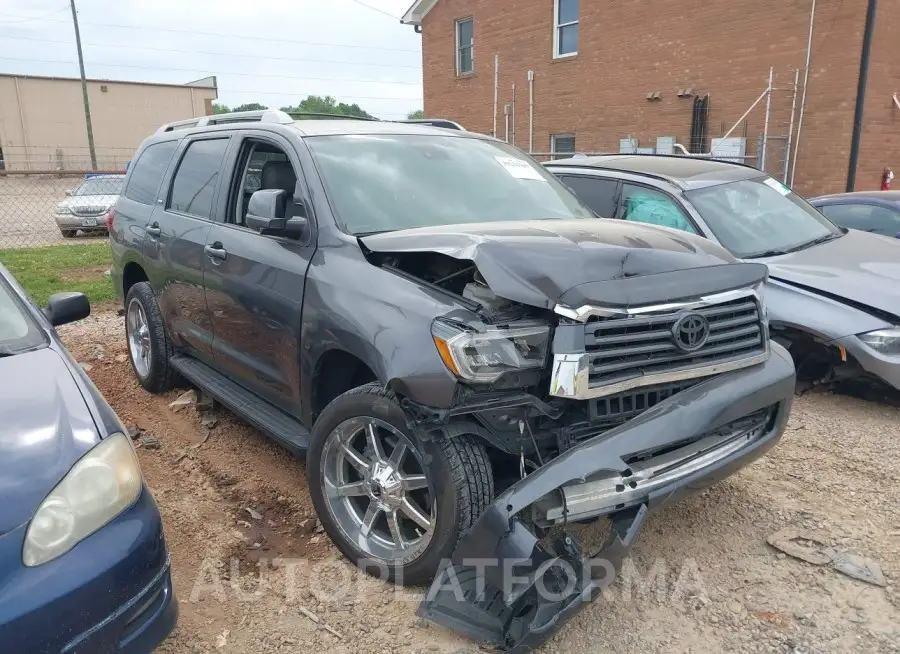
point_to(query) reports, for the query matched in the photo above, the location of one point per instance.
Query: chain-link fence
(49, 207)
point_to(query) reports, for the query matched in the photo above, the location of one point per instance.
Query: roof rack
(299, 115)
(264, 116)
(433, 122)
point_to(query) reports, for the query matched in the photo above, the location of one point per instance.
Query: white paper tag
(778, 186)
(519, 169)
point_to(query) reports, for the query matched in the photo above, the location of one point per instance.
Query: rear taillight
(110, 217)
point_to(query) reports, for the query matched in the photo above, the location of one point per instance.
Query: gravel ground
(702, 577)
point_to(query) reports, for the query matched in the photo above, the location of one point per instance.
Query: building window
(562, 144)
(565, 28)
(465, 54)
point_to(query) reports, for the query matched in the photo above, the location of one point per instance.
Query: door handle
(153, 229)
(215, 252)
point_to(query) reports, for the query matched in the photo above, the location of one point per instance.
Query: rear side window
(148, 172)
(195, 181)
(598, 194)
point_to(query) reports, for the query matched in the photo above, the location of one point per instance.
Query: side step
(277, 424)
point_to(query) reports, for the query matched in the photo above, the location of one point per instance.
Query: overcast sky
(263, 51)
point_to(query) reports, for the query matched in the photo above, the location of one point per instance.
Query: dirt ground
(702, 577)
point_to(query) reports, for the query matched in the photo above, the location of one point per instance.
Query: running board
(274, 422)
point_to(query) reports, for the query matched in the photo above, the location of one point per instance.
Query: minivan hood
(859, 267)
(546, 262)
(45, 427)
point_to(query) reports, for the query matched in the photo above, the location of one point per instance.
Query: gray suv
(468, 359)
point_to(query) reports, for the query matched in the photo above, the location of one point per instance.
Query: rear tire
(68, 233)
(453, 476)
(149, 347)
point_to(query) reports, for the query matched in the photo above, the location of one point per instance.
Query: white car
(87, 206)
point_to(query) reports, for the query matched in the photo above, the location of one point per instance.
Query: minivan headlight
(886, 341)
(484, 354)
(102, 484)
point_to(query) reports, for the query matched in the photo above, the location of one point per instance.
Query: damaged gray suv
(469, 360)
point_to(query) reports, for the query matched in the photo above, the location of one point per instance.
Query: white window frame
(556, 29)
(563, 135)
(459, 46)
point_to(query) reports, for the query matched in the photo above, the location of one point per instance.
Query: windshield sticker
(519, 169)
(778, 186)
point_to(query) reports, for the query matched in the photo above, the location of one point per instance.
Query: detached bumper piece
(519, 610)
(506, 585)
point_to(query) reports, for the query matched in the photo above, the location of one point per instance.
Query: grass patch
(44, 271)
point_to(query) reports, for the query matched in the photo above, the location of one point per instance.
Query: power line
(235, 36)
(223, 72)
(42, 17)
(222, 54)
(380, 11)
(304, 95)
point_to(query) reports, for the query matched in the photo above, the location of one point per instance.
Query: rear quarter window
(147, 173)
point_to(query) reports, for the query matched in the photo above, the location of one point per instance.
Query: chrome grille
(623, 348)
(89, 211)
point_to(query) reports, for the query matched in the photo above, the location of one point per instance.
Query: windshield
(760, 217)
(100, 186)
(379, 183)
(18, 332)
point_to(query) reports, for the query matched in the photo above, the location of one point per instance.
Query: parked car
(833, 295)
(463, 353)
(868, 211)
(83, 560)
(86, 206)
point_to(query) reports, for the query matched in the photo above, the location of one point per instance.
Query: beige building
(42, 123)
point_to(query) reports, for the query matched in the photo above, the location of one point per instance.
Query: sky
(275, 52)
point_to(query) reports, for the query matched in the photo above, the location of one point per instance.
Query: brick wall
(629, 48)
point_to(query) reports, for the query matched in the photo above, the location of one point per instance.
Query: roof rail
(299, 115)
(264, 116)
(433, 122)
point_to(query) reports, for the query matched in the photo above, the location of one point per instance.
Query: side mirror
(69, 192)
(266, 213)
(898, 235)
(63, 308)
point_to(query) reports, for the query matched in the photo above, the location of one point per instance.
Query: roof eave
(417, 12)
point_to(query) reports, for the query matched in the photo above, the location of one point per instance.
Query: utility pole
(84, 90)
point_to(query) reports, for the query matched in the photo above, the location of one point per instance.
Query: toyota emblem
(690, 332)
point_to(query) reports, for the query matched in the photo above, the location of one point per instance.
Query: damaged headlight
(484, 353)
(886, 341)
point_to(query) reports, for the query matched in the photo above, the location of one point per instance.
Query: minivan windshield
(386, 182)
(18, 331)
(761, 217)
(101, 186)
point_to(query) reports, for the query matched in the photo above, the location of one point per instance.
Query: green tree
(252, 106)
(220, 108)
(327, 105)
(418, 114)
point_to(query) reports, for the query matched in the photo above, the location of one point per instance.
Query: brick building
(620, 74)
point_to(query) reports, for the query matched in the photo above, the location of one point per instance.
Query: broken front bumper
(506, 587)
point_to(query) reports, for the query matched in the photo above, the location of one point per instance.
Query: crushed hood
(546, 262)
(859, 267)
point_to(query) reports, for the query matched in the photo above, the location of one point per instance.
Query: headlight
(102, 484)
(62, 210)
(483, 354)
(886, 341)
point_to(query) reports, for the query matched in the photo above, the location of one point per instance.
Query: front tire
(391, 502)
(68, 233)
(149, 347)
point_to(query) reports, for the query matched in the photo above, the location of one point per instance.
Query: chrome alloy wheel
(138, 333)
(377, 491)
